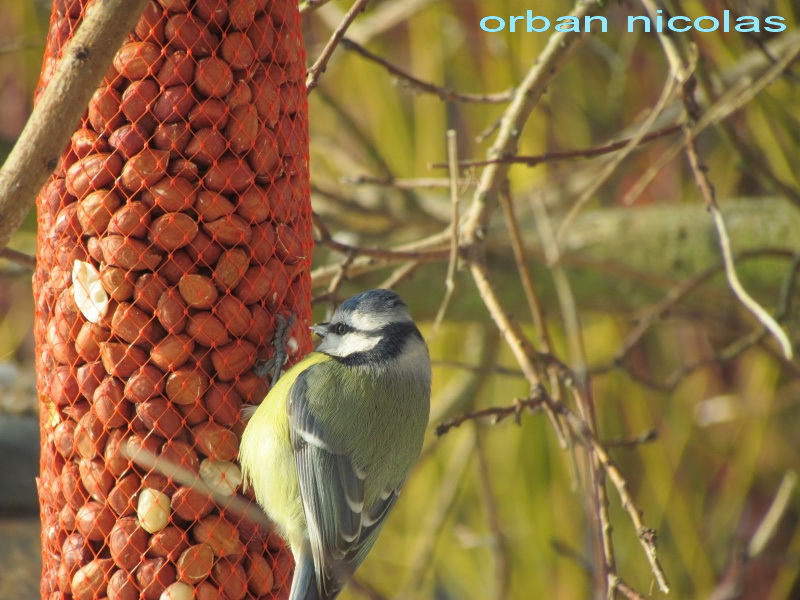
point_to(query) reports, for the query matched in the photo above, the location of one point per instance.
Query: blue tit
(330, 447)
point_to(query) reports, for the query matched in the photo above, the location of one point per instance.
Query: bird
(328, 450)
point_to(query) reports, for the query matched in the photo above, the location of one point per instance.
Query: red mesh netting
(173, 233)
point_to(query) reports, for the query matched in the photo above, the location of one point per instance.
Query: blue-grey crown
(372, 301)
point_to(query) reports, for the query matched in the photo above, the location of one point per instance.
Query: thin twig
(346, 203)
(626, 590)
(22, 259)
(560, 47)
(608, 170)
(646, 536)
(387, 15)
(311, 5)
(318, 68)
(769, 524)
(744, 297)
(548, 157)
(656, 312)
(597, 503)
(326, 239)
(569, 310)
(336, 283)
(496, 414)
(182, 476)
(731, 102)
(564, 550)
(538, 399)
(450, 279)
(632, 441)
(521, 262)
(478, 369)
(707, 192)
(400, 274)
(363, 264)
(527, 357)
(747, 341)
(386, 254)
(84, 62)
(406, 184)
(418, 85)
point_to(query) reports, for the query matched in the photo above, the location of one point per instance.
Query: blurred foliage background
(501, 511)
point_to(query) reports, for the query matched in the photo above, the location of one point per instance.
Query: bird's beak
(321, 329)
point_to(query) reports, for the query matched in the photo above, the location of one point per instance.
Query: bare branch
(423, 86)
(683, 74)
(81, 68)
(318, 68)
(547, 157)
(560, 47)
(496, 414)
(25, 260)
(450, 279)
(406, 184)
(769, 524)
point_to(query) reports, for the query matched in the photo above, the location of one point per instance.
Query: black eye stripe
(341, 328)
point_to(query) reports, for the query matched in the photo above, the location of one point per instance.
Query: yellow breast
(266, 456)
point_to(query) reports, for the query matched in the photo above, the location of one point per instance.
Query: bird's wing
(340, 531)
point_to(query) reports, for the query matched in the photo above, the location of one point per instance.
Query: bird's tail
(304, 583)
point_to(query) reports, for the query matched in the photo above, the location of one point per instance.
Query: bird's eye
(340, 329)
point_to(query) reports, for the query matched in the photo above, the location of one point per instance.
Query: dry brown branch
(325, 239)
(539, 398)
(560, 47)
(363, 264)
(418, 85)
(22, 259)
(598, 501)
(83, 64)
(632, 441)
(450, 279)
(318, 68)
(496, 414)
(406, 184)
(529, 360)
(658, 311)
(521, 261)
(646, 536)
(683, 74)
(234, 504)
(547, 157)
(667, 93)
(626, 590)
(733, 100)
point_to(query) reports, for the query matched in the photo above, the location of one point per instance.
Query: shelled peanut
(177, 225)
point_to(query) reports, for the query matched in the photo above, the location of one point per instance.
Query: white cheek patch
(352, 343)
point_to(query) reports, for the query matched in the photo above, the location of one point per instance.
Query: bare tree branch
(318, 68)
(417, 84)
(80, 70)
